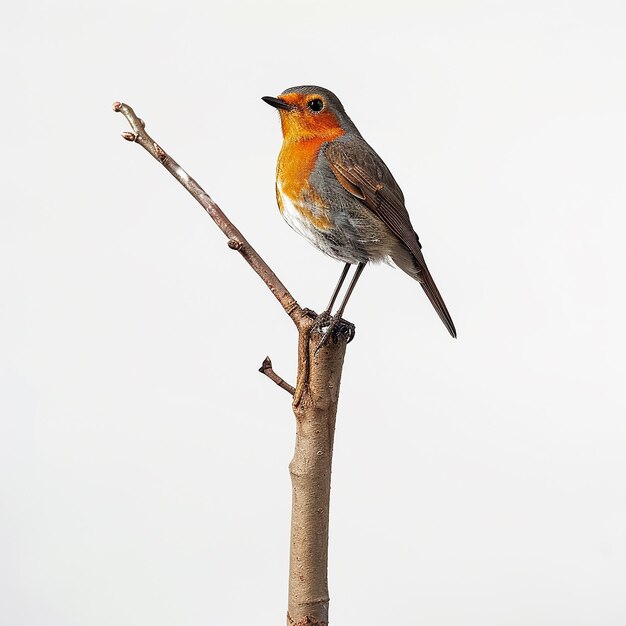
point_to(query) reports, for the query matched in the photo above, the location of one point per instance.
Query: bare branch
(236, 240)
(315, 399)
(266, 368)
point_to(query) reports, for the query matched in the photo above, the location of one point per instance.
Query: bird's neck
(324, 127)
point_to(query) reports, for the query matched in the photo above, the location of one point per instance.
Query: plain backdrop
(143, 460)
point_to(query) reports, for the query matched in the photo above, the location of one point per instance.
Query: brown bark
(315, 408)
(315, 399)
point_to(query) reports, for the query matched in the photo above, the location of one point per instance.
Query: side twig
(266, 368)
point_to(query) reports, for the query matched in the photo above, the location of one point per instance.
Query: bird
(334, 190)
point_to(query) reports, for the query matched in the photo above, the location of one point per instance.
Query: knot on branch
(234, 244)
(161, 155)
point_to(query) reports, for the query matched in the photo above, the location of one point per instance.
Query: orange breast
(295, 164)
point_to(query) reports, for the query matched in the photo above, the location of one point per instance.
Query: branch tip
(117, 106)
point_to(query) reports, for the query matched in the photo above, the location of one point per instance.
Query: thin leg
(359, 270)
(344, 273)
(338, 315)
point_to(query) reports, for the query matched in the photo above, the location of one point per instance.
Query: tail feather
(412, 262)
(429, 287)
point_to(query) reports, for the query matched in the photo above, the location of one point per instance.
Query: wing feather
(356, 164)
(363, 173)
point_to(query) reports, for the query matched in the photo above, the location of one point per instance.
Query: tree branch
(266, 368)
(236, 240)
(315, 399)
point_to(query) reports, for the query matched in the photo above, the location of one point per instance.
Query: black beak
(277, 103)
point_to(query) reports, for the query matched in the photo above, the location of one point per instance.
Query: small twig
(236, 240)
(266, 369)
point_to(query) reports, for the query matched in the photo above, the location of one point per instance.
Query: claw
(322, 320)
(337, 327)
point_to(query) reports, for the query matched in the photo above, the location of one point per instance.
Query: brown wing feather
(363, 174)
(357, 164)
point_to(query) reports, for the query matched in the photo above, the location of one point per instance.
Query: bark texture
(315, 409)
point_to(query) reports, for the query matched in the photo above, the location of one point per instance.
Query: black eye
(315, 105)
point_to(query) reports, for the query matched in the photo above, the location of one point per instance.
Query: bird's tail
(413, 263)
(429, 287)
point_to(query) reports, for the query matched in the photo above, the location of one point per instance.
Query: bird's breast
(298, 200)
(333, 220)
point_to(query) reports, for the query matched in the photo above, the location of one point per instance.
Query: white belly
(296, 220)
(345, 244)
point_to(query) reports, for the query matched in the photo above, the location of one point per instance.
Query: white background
(477, 481)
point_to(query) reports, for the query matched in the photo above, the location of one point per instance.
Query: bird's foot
(322, 320)
(336, 327)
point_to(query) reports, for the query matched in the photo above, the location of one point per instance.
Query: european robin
(335, 191)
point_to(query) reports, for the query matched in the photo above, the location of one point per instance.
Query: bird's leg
(344, 273)
(336, 318)
(355, 278)
(324, 316)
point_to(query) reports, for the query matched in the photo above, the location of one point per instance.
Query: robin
(334, 190)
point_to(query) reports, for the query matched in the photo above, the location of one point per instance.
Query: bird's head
(310, 112)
